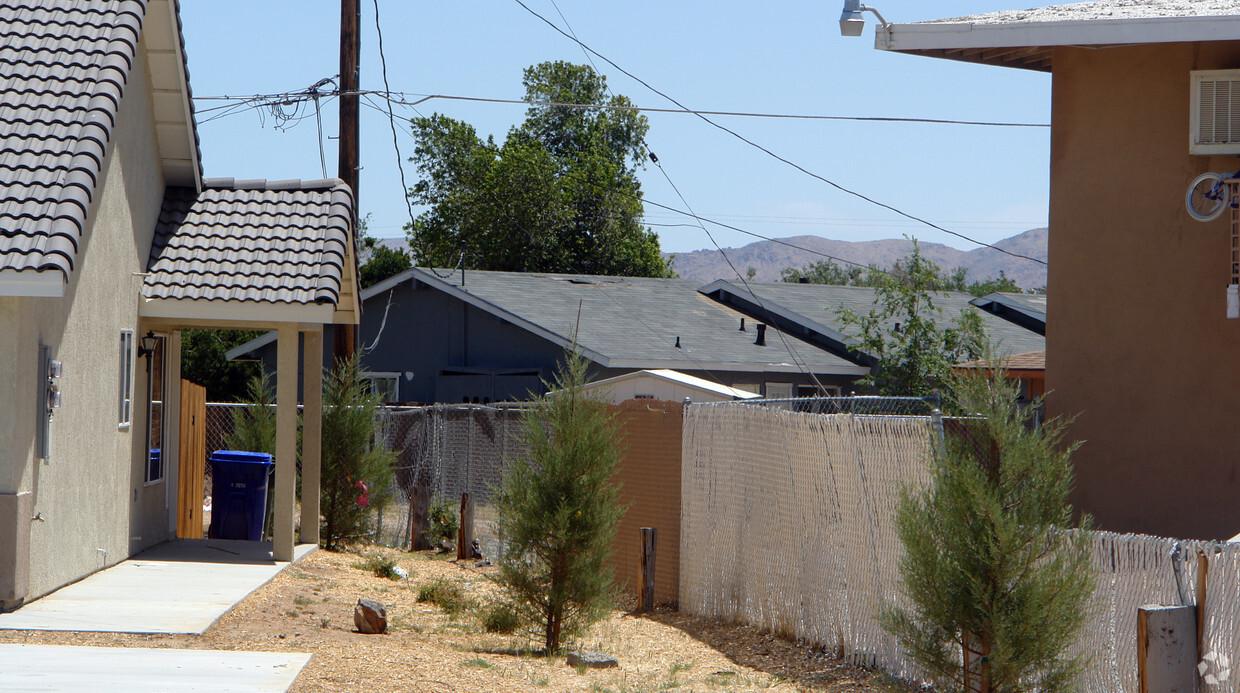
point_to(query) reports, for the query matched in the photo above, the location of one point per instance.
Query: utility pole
(349, 157)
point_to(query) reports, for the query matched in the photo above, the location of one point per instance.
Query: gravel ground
(309, 608)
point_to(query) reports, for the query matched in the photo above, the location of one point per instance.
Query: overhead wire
(400, 164)
(772, 154)
(800, 364)
(401, 99)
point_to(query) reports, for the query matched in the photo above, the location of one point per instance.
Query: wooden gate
(193, 460)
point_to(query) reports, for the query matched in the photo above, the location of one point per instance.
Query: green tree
(254, 425)
(203, 362)
(913, 352)
(381, 261)
(351, 454)
(829, 272)
(559, 509)
(989, 564)
(561, 193)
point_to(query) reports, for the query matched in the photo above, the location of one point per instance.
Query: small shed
(665, 384)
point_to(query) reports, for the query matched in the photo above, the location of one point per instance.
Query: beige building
(1138, 340)
(111, 242)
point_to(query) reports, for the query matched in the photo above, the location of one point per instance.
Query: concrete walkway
(180, 586)
(106, 669)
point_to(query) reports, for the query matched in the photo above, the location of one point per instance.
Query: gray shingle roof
(634, 322)
(252, 241)
(815, 306)
(1028, 310)
(63, 69)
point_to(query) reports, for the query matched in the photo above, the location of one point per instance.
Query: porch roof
(254, 251)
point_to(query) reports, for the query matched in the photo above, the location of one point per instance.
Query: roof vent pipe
(761, 340)
(677, 342)
(742, 325)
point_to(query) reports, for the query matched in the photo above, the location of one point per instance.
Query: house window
(385, 385)
(779, 390)
(125, 414)
(155, 412)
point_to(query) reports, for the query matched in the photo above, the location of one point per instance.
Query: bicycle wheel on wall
(1207, 197)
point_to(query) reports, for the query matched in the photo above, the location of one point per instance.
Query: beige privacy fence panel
(787, 524)
(786, 521)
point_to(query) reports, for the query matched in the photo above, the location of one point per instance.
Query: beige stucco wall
(90, 493)
(1138, 344)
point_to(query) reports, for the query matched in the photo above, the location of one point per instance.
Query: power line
(772, 154)
(402, 99)
(400, 164)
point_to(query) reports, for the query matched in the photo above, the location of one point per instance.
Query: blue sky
(785, 57)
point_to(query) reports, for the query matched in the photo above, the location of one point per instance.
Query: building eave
(1029, 45)
(46, 284)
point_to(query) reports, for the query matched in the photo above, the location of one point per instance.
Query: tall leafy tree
(989, 568)
(560, 194)
(203, 362)
(559, 509)
(914, 343)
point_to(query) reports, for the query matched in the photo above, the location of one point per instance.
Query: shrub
(380, 566)
(443, 526)
(500, 618)
(445, 594)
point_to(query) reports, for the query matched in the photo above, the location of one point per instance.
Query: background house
(1139, 343)
(439, 336)
(479, 337)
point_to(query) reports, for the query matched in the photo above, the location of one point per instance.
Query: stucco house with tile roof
(1140, 345)
(111, 242)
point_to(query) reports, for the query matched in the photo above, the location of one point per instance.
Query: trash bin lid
(241, 456)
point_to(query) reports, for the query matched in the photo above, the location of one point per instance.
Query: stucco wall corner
(15, 519)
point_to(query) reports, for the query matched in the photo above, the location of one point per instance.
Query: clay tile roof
(63, 69)
(254, 240)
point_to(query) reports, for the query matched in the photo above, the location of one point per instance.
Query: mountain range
(768, 258)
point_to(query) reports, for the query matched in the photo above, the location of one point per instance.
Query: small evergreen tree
(254, 425)
(351, 454)
(990, 566)
(559, 509)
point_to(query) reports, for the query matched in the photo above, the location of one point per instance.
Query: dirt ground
(309, 608)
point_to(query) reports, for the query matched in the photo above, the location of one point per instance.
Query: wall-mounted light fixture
(852, 21)
(147, 348)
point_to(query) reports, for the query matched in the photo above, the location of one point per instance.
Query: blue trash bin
(239, 494)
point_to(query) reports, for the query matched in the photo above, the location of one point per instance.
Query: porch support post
(286, 442)
(311, 434)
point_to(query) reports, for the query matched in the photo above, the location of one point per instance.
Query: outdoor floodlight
(852, 22)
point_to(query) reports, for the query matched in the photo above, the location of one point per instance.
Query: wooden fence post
(646, 588)
(1166, 649)
(465, 535)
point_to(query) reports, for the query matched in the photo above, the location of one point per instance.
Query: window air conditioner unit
(1215, 112)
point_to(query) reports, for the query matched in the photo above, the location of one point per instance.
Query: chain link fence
(443, 451)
